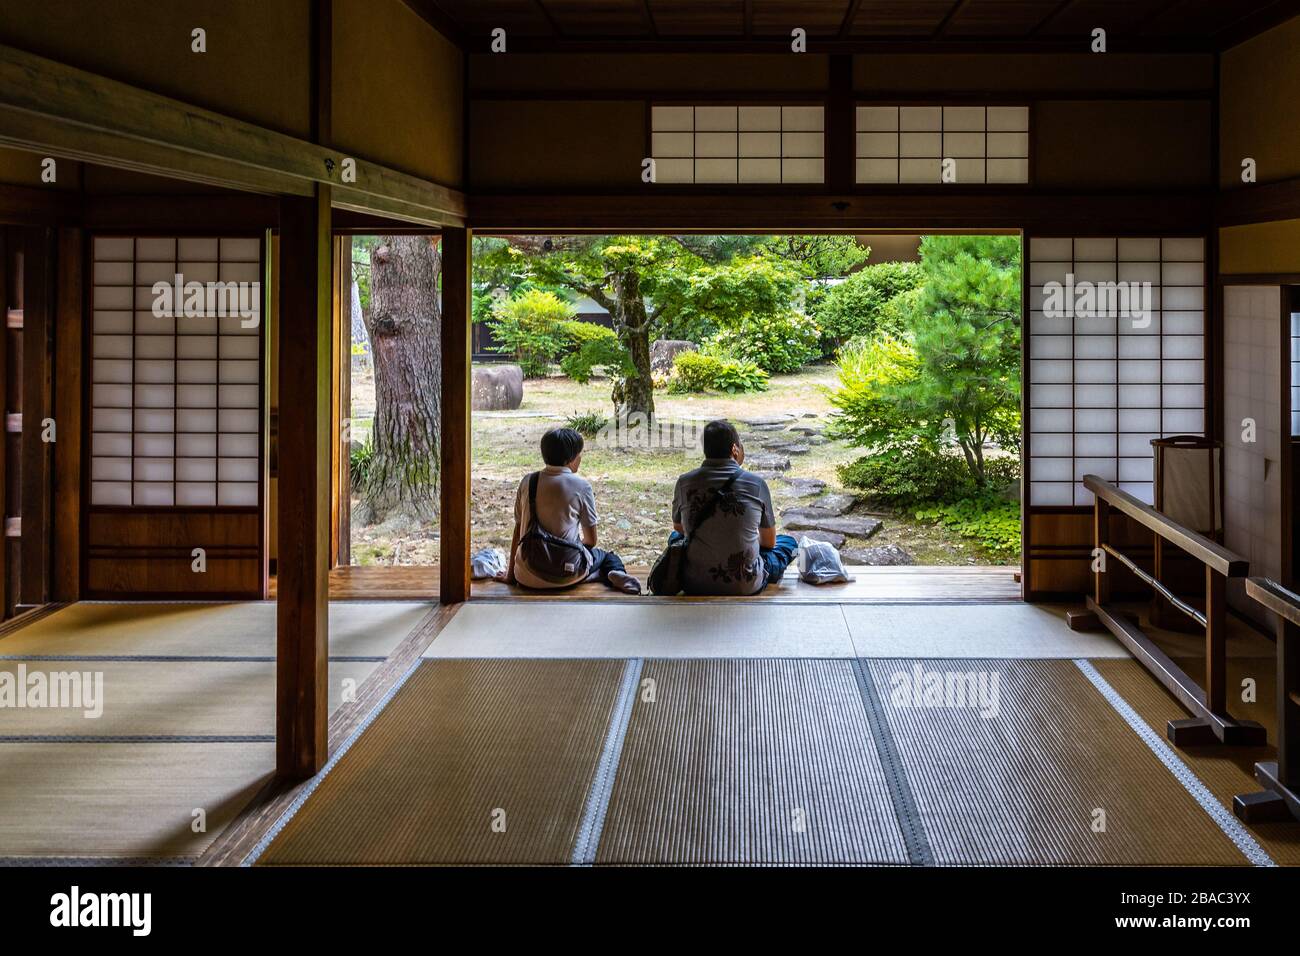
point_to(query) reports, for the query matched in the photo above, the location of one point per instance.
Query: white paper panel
(730, 144)
(986, 144)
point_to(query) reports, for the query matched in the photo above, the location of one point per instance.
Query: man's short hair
(719, 438)
(560, 446)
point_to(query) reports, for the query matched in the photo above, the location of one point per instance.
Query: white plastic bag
(819, 563)
(487, 563)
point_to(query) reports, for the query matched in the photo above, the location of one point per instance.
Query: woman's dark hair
(560, 446)
(719, 437)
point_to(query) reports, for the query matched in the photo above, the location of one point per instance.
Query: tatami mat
(973, 631)
(1226, 771)
(167, 698)
(363, 629)
(1028, 785)
(124, 800)
(644, 630)
(750, 761)
(471, 762)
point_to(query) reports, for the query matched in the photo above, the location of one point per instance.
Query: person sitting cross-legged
(735, 549)
(554, 541)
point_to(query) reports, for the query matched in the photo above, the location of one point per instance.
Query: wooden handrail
(1203, 549)
(1275, 598)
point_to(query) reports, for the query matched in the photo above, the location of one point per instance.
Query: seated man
(566, 509)
(736, 549)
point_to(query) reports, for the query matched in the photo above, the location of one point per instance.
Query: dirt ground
(633, 482)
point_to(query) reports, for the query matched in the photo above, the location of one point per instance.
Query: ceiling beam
(436, 17)
(1156, 14)
(747, 19)
(831, 45)
(649, 17)
(1051, 15)
(850, 15)
(1255, 22)
(942, 28)
(55, 109)
(550, 20)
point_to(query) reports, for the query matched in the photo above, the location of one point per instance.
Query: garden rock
(664, 352)
(769, 421)
(497, 388)
(888, 555)
(789, 448)
(851, 526)
(805, 487)
(835, 503)
(806, 429)
(829, 537)
(768, 463)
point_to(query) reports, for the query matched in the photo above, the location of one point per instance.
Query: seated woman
(555, 524)
(735, 548)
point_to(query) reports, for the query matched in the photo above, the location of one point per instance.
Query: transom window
(738, 144)
(943, 144)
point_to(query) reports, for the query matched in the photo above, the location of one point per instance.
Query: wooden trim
(222, 214)
(51, 107)
(454, 530)
(1260, 202)
(28, 205)
(937, 209)
(302, 549)
(38, 404)
(66, 583)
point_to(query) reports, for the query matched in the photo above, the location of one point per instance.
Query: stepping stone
(775, 427)
(809, 512)
(806, 429)
(889, 555)
(788, 448)
(767, 421)
(765, 475)
(830, 537)
(816, 440)
(853, 527)
(768, 463)
(836, 504)
(805, 487)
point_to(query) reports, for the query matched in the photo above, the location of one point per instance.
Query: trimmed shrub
(858, 305)
(784, 342)
(701, 372)
(531, 326)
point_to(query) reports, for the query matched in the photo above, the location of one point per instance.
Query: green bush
(701, 372)
(531, 325)
(589, 346)
(784, 342)
(587, 423)
(360, 455)
(909, 476)
(857, 306)
(867, 411)
(992, 523)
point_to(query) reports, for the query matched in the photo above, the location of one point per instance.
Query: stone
(889, 555)
(830, 537)
(810, 512)
(775, 427)
(497, 388)
(854, 527)
(768, 421)
(768, 463)
(663, 352)
(805, 487)
(806, 429)
(835, 503)
(789, 448)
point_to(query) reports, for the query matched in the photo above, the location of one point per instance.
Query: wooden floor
(872, 585)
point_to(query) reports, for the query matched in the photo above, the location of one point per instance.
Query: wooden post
(455, 433)
(841, 126)
(38, 405)
(1288, 705)
(66, 585)
(1216, 642)
(1101, 537)
(303, 518)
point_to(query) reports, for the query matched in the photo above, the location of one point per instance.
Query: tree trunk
(635, 395)
(405, 329)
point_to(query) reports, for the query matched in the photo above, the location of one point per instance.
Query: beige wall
(398, 90)
(256, 67)
(1260, 83)
(1262, 247)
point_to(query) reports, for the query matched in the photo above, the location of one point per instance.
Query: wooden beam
(1261, 202)
(850, 15)
(302, 548)
(54, 108)
(28, 205)
(942, 29)
(453, 529)
(38, 405)
(1051, 15)
(841, 126)
(436, 17)
(66, 583)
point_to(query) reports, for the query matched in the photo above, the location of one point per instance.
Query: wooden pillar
(1288, 705)
(841, 126)
(66, 584)
(1101, 537)
(38, 405)
(455, 435)
(1216, 642)
(303, 517)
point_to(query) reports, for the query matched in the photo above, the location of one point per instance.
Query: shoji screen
(738, 144)
(1101, 385)
(908, 144)
(175, 399)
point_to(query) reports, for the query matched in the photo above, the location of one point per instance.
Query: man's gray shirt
(723, 556)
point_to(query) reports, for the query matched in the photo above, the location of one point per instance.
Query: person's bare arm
(509, 576)
(589, 535)
(677, 526)
(767, 538)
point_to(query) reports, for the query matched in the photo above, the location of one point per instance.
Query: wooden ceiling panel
(998, 18)
(685, 18)
(818, 17)
(1081, 17)
(906, 18)
(480, 17)
(1204, 17)
(599, 17)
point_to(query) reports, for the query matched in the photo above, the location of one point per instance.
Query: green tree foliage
(590, 346)
(860, 305)
(531, 325)
(702, 372)
(782, 342)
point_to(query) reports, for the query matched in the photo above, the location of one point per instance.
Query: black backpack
(668, 576)
(547, 555)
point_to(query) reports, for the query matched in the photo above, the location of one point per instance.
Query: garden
(880, 399)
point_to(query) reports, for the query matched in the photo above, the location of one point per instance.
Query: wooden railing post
(1288, 705)
(1216, 642)
(1101, 538)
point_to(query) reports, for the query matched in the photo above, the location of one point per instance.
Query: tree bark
(636, 396)
(405, 329)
